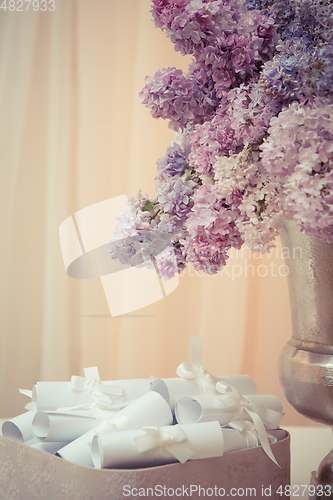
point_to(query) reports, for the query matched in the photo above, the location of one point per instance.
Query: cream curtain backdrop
(73, 133)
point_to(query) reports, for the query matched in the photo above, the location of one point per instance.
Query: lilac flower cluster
(299, 22)
(281, 78)
(224, 38)
(242, 118)
(254, 117)
(144, 233)
(298, 154)
(212, 230)
(229, 46)
(175, 201)
(193, 24)
(175, 162)
(303, 68)
(135, 239)
(177, 97)
(164, 215)
(246, 186)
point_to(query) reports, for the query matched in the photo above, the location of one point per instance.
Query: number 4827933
(24, 5)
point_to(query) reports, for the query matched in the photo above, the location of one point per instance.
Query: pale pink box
(30, 474)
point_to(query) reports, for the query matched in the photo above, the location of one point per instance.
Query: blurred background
(73, 133)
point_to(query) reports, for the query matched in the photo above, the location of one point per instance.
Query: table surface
(309, 445)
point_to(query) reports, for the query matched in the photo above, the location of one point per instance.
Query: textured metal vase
(306, 362)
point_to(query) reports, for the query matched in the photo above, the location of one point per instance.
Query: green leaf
(147, 207)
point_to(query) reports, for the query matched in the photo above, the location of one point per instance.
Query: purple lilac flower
(299, 154)
(238, 52)
(300, 73)
(167, 263)
(223, 37)
(212, 231)
(175, 162)
(281, 78)
(243, 117)
(301, 22)
(210, 140)
(145, 227)
(176, 97)
(240, 164)
(304, 67)
(175, 201)
(194, 23)
(134, 240)
(205, 81)
(318, 79)
(247, 188)
(228, 45)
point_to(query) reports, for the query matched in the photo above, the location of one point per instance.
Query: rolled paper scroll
(57, 427)
(19, 428)
(147, 410)
(49, 447)
(152, 446)
(172, 389)
(259, 415)
(195, 379)
(150, 409)
(224, 409)
(78, 451)
(86, 392)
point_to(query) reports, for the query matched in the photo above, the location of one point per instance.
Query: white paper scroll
(49, 447)
(153, 446)
(78, 451)
(19, 428)
(235, 440)
(49, 396)
(147, 410)
(150, 409)
(57, 427)
(190, 410)
(173, 389)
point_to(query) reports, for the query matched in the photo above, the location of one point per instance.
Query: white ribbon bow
(247, 429)
(172, 438)
(102, 396)
(260, 415)
(211, 385)
(195, 369)
(117, 422)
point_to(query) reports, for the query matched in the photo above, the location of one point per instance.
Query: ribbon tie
(247, 429)
(195, 369)
(117, 422)
(102, 396)
(260, 415)
(172, 438)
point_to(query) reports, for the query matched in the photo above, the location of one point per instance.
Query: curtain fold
(73, 133)
(18, 48)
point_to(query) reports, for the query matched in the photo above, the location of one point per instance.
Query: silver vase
(306, 362)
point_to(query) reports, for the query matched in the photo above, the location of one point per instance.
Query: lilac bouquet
(253, 122)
